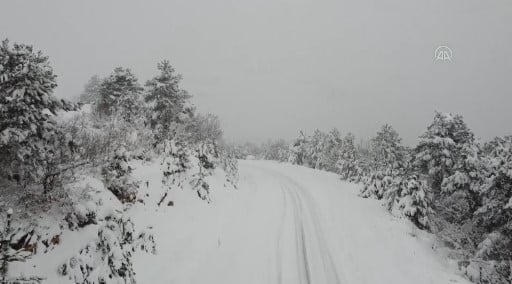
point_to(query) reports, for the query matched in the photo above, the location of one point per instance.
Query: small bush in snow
(205, 166)
(109, 259)
(230, 166)
(413, 201)
(118, 177)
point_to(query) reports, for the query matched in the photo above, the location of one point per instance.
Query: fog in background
(270, 68)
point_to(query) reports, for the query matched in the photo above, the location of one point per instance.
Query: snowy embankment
(284, 224)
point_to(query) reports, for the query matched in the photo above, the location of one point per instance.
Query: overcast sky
(270, 68)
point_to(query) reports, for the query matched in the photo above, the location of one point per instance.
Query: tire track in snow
(310, 218)
(279, 255)
(313, 259)
(311, 247)
(300, 240)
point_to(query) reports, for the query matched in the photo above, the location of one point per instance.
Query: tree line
(38, 146)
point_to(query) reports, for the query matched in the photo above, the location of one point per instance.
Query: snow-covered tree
(388, 154)
(491, 261)
(315, 149)
(388, 160)
(298, 150)
(495, 213)
(276, 150)
(346, 166)
(330, 155)
(29, 133)
(449, 155)
(120, 93)
(409, 196)
(91, 92)
(445, 147)
(206, 129)
(169, 104)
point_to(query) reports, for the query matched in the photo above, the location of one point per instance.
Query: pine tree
(388, 154)
(443, 149)
(120, 93)
(331, 151)
(315, 149)
(495, 212)
(29, 133)
(169, 104)
(347, 158)
(449, 155)
(388, 160)
(298, 150)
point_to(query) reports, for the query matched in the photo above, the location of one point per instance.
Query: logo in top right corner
(443, 53)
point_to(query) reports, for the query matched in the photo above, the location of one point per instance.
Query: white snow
(284, 224)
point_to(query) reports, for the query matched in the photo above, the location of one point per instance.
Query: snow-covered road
(286, 224)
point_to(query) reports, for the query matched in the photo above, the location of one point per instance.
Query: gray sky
(270, 68)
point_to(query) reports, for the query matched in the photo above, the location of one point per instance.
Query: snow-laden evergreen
(409, 196)
(30, 138)
(120, 93)
(388, 160)
(169, 104)
(298, 150)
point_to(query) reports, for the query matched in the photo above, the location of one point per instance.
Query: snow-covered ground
(285, 224)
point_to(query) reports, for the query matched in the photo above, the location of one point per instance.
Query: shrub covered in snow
(229, 164)
(109, 258)
(409, 196)
(118, 177)
(205, 156)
